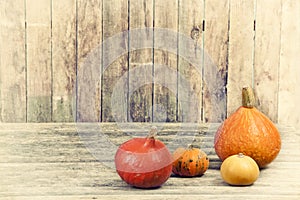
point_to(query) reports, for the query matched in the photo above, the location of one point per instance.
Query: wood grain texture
(190, 60)
(89, 61)
(241, 47)
(289, 91)
(115, 61)
(140, 61)
(12, 62)
(47, 161)
(215, 60)
(160, 196)
(39, 56)
(63, 60)
(266, 56)
(165, 61)
(39, 78)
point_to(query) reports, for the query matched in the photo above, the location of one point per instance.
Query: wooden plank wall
(147, 60)
(13, 69)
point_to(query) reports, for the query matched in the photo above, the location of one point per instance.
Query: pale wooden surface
(51, 161)
(267, 56)
(12, 62)
(115, 20)
(63, 59)
(45, 45)
(38, 61)
(216, 43)
(139, 105)
(190, 27)
(289, 90)
(240, 50)
(89, 59)
(165, 62)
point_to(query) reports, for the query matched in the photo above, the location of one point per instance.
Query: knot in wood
(195, 33)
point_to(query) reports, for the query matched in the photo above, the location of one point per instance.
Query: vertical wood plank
(89, 60)
(190, 75)
(241, 46)
(266, 56)
(115, 60)
(12, 62)
(38, 60)
(165, 62)
(215, 67)
(63, 59)
(140, 60)
(289, 92)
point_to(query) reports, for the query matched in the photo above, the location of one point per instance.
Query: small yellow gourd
(239, 170)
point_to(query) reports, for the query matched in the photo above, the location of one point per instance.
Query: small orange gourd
(239, 170)
(248, 131)
(189, 162)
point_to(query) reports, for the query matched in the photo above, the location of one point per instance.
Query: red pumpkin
(248, 131)
(144, 162)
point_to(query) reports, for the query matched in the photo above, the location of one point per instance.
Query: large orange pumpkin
(248, 131)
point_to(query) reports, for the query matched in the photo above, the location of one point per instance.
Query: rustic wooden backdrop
(44, 44)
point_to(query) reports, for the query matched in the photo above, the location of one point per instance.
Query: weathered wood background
(147, 60)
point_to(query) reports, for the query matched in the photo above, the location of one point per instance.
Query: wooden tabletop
(75, 161)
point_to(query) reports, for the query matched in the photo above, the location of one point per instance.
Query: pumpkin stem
(248, 98)
(240, 155)
(151, 136)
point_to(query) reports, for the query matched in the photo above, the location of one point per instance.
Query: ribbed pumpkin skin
(144, 162)
(189, 162)
(147, 180)
(250, 132)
